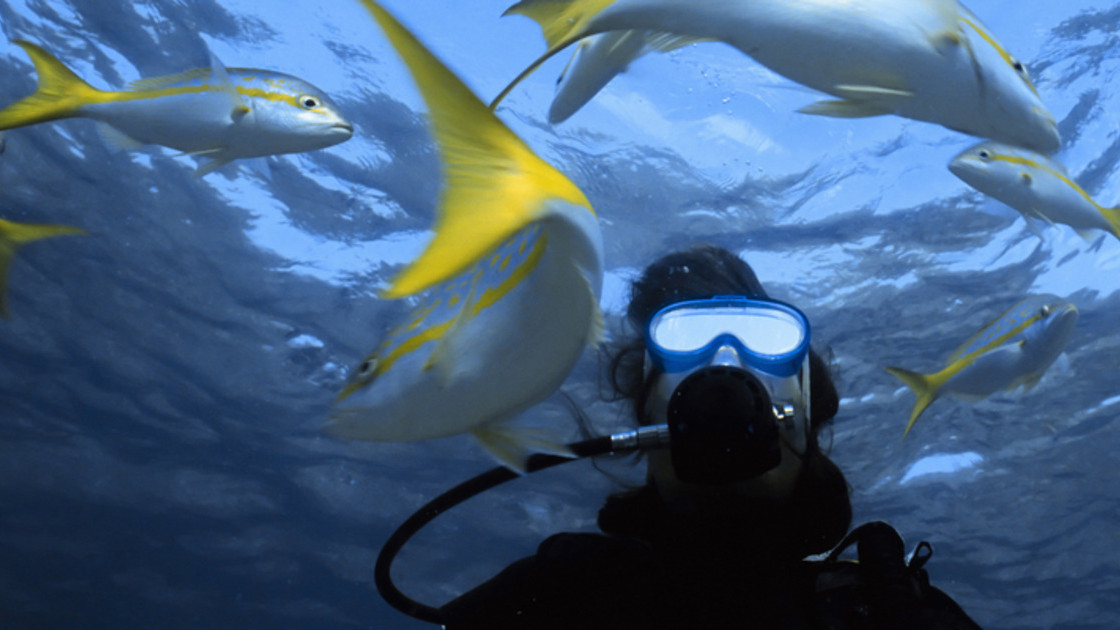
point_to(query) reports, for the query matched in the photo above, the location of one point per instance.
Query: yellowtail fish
(515, 270)
(1014, 349)
(223, 114)
(12, 236)
(928, 60)
(1035, 185)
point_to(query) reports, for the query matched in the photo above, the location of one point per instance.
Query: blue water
(164, 379)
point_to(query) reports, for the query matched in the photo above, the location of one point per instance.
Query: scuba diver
(742, 493)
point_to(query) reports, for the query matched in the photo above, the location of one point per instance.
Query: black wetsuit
(716, 572)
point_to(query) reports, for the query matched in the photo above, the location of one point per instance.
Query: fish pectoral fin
(200, 152)
(447, 363)
(1033, 226)
(844, 109)
(597, 331)
(211, 165)
(512, 446)
(1038, 214)
(872, 92)
(945, 42)
(1087, 235)
(860, 101)
(221, 80)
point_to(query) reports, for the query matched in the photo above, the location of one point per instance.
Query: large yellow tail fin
(60, 92)
(493, 184)
(922, 386)
(12, 235)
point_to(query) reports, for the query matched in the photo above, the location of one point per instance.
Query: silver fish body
(268, 113)
(214, 112)
(1035, 185)
(928, 60)
(1015, 349)
(1022, 362)
(500, 352)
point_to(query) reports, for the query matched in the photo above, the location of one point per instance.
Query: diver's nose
(727, 355)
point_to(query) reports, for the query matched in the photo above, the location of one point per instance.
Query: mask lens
(772, 336)
(765, 331)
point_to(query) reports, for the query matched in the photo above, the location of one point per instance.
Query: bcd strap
(882, 589)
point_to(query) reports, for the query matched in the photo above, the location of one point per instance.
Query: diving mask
(732, 385)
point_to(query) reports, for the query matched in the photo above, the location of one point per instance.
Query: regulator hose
(643, 438)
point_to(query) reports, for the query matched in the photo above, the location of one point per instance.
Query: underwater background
(164, 380)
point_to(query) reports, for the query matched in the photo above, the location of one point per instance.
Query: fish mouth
(343, 126)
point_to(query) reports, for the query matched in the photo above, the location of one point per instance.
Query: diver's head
(730, 372)
(729, 375)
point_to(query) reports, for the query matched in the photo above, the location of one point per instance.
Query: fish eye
(1020, 68)
(309, 102)
(367, 368)
(1046, 310)
(984, 154)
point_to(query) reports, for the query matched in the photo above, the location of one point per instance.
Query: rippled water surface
(163, 380)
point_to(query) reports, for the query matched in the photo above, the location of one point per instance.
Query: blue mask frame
(768, 335)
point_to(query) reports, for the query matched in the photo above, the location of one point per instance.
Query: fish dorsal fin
(1001, 329)
(563, 23)
(482, 161)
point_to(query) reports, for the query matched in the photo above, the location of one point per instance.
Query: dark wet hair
(698, 272)
(817, 515)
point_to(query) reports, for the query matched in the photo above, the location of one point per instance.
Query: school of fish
(509, 285)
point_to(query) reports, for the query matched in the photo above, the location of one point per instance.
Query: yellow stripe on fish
(974, 24)
(1035, 185)
(1014, 349)
(929, 60)
(514, 272)
(222, 114)
(12, 236)
(428, 324)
